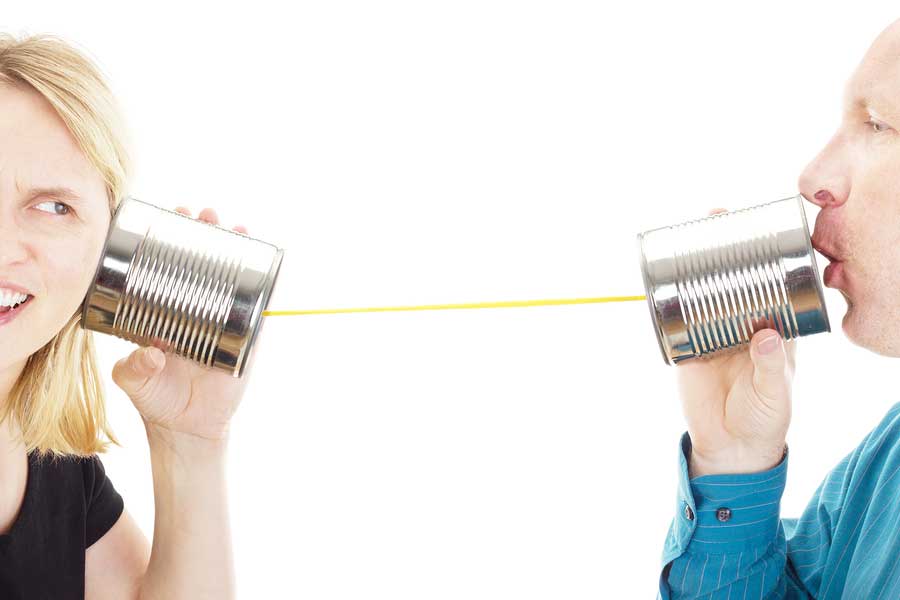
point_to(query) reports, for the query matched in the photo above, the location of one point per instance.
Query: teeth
(11, 298)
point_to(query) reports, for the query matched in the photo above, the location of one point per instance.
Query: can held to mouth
(712, 283)
(185, 286)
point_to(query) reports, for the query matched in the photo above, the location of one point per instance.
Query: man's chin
(847, 299)
(873, 334)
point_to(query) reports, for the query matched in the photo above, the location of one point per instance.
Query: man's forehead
(876, 81)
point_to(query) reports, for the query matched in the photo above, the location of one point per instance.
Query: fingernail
(151, 359)
(768, 345)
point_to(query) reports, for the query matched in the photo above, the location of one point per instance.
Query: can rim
(651, 302)
(820, 291)
(112, 227)
(261, 304)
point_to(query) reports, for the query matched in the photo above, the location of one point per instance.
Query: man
(726, 539)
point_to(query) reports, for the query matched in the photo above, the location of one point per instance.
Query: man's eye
(877, 126)
(67, 208)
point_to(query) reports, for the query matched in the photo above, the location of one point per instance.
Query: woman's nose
(12, 249)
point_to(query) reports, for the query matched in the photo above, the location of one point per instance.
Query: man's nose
(825, 181)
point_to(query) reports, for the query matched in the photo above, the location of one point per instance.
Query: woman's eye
(877, 126)
(54, 202)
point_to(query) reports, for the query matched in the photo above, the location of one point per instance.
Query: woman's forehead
(29, 124)
(36, 148)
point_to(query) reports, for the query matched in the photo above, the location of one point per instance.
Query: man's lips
(825, 249)
(833, 276)
(828, 240)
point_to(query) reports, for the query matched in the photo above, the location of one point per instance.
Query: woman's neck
(9, 430)
(10, 439)
(9, 375)
(13, 473)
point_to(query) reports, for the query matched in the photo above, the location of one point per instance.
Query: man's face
(49, 248)
(855, 179)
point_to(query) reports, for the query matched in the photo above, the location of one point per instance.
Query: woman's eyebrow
(58, 192)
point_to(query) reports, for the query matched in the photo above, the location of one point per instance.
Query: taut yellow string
(506, 304)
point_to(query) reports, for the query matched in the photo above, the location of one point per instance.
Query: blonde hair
(59, 400)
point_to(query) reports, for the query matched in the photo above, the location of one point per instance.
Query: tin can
(185, 286)
(712, 283)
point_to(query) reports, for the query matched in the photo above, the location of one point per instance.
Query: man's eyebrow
(852, 99)
(869, 99)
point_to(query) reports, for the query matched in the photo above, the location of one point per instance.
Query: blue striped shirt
(846, 544)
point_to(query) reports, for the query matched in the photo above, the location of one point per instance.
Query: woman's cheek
(67, 270)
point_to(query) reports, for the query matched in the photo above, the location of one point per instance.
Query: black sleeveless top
(69, 504)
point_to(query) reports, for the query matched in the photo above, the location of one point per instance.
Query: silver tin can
(713, 282)
(185, 286)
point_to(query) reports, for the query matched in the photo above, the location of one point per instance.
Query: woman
(64, 532)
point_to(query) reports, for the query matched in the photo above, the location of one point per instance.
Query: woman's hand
(738, 405)
(176, 394)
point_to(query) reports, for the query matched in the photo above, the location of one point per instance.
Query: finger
(183, 210)
(208, 215)
(790, 349)
(240, 229)
(717, 211)
(134, 371)
(769, 379)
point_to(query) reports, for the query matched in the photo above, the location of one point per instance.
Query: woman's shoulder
(69, 472)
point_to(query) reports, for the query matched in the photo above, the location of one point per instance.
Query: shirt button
(723, 514)
(688, 513)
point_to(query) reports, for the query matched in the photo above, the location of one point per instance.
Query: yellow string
(507, 304)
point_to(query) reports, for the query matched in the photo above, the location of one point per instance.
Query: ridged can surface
(711, 283)
(183, 285)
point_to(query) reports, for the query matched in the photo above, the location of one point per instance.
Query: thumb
(134, 371)
(769, 361)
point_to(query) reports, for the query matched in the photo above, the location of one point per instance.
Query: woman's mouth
(8, 313)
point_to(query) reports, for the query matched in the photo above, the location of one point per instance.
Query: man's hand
(738, 405)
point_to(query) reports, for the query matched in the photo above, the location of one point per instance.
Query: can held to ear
(712, 283)
(182, 285)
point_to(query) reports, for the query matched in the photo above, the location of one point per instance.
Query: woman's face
(50, 245)
(855, 179)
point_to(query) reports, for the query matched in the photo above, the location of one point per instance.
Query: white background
(424, 152)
